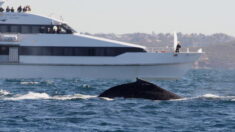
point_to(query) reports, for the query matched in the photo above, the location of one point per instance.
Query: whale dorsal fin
(140, 80)
(137, 79)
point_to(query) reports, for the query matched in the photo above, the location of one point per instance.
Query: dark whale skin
(139, 89)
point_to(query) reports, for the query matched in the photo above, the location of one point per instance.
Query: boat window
(31, 29)
(59, 30)
(67, 29)
(35, 29)
(68, 51)
(77, 51)
(101, 52)
(25, 29)
(46, 50)
(42, 29)
(14, 29)
(4, 29)
(4, 50)
(58, 51)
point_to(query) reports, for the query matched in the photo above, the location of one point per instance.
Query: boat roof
(27, 18)
(111, 41)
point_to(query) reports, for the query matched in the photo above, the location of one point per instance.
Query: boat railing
(170, 49)
(159, 49)
(9, 38)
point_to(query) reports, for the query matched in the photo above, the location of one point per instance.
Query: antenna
(175, 40)
(61, 18)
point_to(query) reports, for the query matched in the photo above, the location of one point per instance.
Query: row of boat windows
(31, 29)
(72, 51)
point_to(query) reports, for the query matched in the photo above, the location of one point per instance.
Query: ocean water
(31, 105)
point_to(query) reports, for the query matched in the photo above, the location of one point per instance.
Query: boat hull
(156, 66)
(164, 71)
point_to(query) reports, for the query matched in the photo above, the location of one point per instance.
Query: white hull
(173, 71)
(126, 66)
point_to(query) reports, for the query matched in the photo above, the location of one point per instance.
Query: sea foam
(4, 92)
(70, 97)
(45, 96)
(213, 96)
(29, 83)
(29, 96)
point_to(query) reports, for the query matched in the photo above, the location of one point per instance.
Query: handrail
(170, 49)
(159, 49)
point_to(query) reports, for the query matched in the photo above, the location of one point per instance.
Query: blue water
(28, 105)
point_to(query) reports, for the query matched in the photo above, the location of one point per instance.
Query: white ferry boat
(35, 46)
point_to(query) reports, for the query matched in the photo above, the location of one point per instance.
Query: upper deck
(27, 29)
(26, 18)
(22, 15)
(29, 23)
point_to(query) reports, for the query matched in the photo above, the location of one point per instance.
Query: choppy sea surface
(28, 105)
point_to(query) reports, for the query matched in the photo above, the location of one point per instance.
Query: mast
(175, 40)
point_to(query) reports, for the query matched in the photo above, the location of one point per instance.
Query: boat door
(13, 54)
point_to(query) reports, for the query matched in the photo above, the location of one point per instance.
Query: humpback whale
(139, 89)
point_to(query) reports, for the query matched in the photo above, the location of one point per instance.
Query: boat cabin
(51, 37)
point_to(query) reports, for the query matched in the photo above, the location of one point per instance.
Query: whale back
(139, 89)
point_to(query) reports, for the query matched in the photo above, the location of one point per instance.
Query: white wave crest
(4, 92)
(30, 96)
(107, 99)
(37, 96)
(213, 96)
(182, 99)
(208, 96)
(70, 97)
(29, 83)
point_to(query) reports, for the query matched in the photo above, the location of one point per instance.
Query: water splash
(182, 99)
(45, 96)
(4, 92)
(212, 96)
(107, 99)
(70, 97)
(208, 96)
(29, 96)
(29, 83)
(217, 97)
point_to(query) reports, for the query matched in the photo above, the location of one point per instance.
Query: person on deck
(24, 9)
(8, 9)
(178, 48)
(19, 9)
(28, 8)
(58, 29)
(54, 29)
(12, 9)
(1, 9)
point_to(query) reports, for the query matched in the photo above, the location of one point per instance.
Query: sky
(147, 16)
